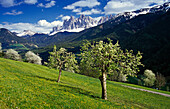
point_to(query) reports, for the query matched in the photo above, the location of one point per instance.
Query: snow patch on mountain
(26, 33)
(63, 30)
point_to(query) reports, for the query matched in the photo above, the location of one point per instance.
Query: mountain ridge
(85, 22)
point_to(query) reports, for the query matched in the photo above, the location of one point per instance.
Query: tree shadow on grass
(69, 88)
(77, 90)
(48, 79)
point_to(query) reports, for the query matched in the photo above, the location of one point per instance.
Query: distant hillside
(10, 40)
(25, 85)
(8, 37)
(44, 39)
(153, 41)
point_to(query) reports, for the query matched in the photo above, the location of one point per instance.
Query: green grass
(26, 85)
(18, 47)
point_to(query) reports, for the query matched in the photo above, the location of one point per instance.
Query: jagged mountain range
(85, 22)
(75, 24)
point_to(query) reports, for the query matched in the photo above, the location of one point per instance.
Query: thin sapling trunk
(59, 75)
(103, 84)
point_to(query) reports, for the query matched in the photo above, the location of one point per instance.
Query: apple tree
(108, 58)
(62, 60)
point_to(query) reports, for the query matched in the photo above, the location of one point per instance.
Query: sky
(42, 15)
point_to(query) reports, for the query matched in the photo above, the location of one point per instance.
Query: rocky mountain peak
(82, 16)
(76, 24)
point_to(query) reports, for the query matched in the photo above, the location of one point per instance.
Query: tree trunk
(59, 75)
(103, 84)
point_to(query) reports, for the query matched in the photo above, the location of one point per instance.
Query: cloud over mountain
(41, 26)
(90, 12)
(83, 3)
(119, 6)
(77, 7)
(44, 23)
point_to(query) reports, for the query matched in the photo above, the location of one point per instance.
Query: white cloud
(47, 5)
(41, 26)
(60, 16)
(77, 10)
(13, 12)
(65, 18)
(56, 23)
(77, 7)
(7, 3)
(44, 23)
(10, 3)
(19, 27)
(40, 5)
(119, 6)
(30, 1)
(70, 7)
(90, 12)
(83, 3)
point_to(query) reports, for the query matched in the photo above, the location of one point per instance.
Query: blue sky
(42, 15)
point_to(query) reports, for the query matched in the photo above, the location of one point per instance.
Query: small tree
(116, 76)
(1, 53)
(62, 60)
(149, 78)
(12, 54)
(160, 80)
(108, 58)
(33, 58)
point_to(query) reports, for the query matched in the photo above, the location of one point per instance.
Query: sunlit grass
(25, 85)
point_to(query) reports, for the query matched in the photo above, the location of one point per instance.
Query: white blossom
(12, 54)
(149, 78)
(33, 58)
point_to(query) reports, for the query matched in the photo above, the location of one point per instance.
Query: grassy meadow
(25, 85)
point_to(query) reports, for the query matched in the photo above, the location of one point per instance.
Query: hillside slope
(25, 85)
(153, 42)
(8, 37)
